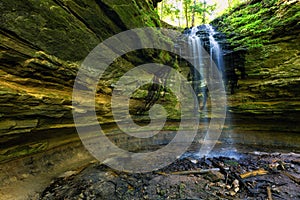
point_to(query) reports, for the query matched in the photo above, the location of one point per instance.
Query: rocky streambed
(255, 175)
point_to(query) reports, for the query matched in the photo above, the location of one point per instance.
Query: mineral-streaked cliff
(44, 42)
(42, 46)
(267, 100)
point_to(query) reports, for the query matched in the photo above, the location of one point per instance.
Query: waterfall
(198, 37)
(195, 45)
(215, 49)
(205, 49)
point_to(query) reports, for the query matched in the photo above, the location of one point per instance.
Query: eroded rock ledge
(42, 46)
(267, 99)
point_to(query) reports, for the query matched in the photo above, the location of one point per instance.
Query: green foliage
(254, 23)
(185, 12)
(150, 18)
(201, 8)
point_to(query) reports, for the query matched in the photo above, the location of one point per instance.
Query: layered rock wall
(267, 99)
(42, 46)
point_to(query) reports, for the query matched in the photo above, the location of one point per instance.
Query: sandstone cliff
(267, 100)
(44, 42)
(42, 46)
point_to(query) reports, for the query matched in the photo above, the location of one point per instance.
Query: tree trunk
(178, 2)
(193, 14)
(204, 12)
(186, 13)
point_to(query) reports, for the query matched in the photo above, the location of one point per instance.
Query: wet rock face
(267, 99)
(42, 45)
(230, 61)
(71, 29)
(233, 60)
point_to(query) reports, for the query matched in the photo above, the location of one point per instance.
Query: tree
(201, 8)
(186, 8)
(204, 12)
(178, 13)
(190, 10)
(193, 13)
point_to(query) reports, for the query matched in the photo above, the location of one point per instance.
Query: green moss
(22, 150)
(253, 25)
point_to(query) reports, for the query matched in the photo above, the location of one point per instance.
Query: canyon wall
(44, 42)
(42, 46)
(267, 100)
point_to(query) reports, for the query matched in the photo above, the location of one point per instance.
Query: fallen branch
(199, 171)
(253, 173)
(233, 176)
(269, 193)
(293, 178)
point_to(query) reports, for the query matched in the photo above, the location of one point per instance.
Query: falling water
(200, 39)
(196, 52)
(196, 44)
(215, 49)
